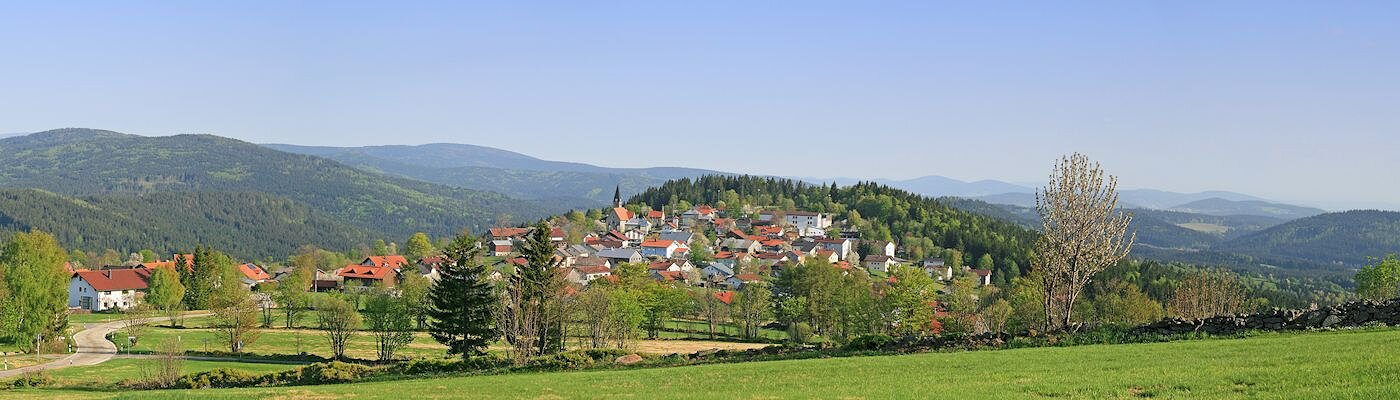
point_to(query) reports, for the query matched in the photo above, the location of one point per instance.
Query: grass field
(1363, 364)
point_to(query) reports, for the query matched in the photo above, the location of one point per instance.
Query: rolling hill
(502, 171)
(86, 162)
(1345, 239)
(246, 225)
(1223, 207)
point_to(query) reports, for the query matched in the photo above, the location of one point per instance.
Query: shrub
(31, 380)
(429, 366)
(331, 372)
(218, 378)
(565, 360)
(869, 342)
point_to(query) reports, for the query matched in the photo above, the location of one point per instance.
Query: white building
(107, 289)
(800, 219)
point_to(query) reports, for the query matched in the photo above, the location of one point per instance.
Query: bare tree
(1084, 233)
(134, 320)
(1207, 294)
(170, 361)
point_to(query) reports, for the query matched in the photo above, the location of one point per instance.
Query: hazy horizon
(1289, 102)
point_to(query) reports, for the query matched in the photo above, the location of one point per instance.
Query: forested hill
(84, 162)
(1339, 239)
(250, 226)
(918, 224)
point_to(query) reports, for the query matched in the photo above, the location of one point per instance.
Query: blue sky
(1296, 101)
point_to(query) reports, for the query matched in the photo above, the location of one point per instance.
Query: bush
(565, 360)
(331, 372)
(218, 378)
(429, 366)
(869, 342)
(31, 380)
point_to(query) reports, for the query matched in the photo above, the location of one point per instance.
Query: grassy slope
(1318, 365)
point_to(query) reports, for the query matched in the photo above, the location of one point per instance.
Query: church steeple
(617, 196)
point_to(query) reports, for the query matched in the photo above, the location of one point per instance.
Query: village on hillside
(702, 246)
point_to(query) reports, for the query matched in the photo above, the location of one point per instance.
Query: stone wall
(1351, 314)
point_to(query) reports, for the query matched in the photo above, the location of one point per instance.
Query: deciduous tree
(1083, 233)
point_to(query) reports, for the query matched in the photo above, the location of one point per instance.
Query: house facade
(109, 289)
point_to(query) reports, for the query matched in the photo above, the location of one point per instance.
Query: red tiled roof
(662, 265)
(387, 261)
(670, 275)
(253, 272)
(556, 232)
(982, 272)
(508, 232)
(725, 297)
(623, 213)
(655, 214)
(772, 242)
(116, 279)
(658, 243)
(365, 272)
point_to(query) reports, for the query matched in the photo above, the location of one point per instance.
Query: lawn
(1364, 364)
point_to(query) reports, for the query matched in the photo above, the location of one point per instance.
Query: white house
(107, 289)
(662, 248)
(842, 247)
(584, 275)
(879, 262)
(799, 219)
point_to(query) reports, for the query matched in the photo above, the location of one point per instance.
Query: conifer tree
(462, 303)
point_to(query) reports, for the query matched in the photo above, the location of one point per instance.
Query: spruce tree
(462, 303)
(543, 284)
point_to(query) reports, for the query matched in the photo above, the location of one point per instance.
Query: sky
(1293, 101)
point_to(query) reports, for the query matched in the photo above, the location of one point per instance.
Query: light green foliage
(387, 318)
(1380, 280)
(418, 246)
(752, 307)
(149, 256)
(166, 293)
(33, 296)
(909, 301)
(1122, 304)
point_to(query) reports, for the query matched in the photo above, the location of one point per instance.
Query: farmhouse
(107, 289)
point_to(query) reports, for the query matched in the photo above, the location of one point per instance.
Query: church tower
(617, 196)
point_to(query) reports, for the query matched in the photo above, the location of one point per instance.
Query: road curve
(91, 347)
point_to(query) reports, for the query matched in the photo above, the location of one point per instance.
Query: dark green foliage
(541, 283)
(1345, 239)
(217, 378)
(315, 374)
(463, 302)
(247, 225)
(869, 342)
(516, 175)
(902, 215)
(80, 162)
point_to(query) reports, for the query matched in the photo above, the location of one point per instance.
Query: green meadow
(1346, 364)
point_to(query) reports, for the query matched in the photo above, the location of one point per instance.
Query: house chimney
(109, 273)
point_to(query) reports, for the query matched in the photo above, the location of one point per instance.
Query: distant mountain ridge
(514, 174)
(1219, 206)
(90, 162)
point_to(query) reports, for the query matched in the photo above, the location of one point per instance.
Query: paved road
(91, 345)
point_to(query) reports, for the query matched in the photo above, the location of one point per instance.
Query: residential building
(107, 289)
